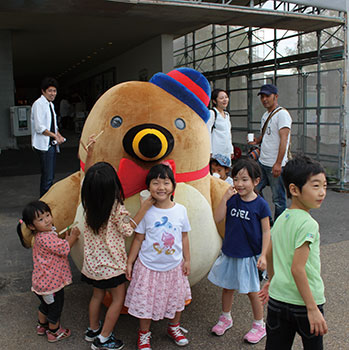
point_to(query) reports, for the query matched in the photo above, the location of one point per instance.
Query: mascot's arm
(218, 188)
(63, 199)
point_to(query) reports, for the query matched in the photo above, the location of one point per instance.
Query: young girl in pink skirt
(159, 285)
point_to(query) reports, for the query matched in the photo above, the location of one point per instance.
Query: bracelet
(127, 219)
(133, 222)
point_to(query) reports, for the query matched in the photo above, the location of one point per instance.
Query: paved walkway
(18, 306)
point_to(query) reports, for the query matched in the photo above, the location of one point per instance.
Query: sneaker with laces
(143, 342)
(111, 343)
(91, 335)
(222, 325)
(256, 333)
(41, 328)
(175, 332)
(60, 334)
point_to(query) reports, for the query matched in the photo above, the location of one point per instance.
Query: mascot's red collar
(132, 176)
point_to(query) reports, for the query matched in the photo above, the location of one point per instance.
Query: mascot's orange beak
(148, 142)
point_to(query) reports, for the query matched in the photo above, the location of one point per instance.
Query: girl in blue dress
(247, 235)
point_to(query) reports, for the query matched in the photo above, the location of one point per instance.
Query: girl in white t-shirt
(159, 285)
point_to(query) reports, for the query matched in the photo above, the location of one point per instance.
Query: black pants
(52, 311)
(283, 321)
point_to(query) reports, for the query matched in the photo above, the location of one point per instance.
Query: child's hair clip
(165, 162)
(20, 221)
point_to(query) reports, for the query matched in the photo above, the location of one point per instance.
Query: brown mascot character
(141, 124)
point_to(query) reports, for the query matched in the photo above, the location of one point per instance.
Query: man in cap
(274, 145)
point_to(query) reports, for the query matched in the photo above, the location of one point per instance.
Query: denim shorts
(284, 321)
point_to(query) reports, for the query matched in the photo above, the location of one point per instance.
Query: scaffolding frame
(208, 53)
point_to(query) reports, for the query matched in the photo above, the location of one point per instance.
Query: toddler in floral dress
(159, 284)
(51, 271)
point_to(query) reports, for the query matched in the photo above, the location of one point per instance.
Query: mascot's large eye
(180, 123)
(116, 122)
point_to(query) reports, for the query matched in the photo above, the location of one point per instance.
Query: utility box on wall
(20, 120)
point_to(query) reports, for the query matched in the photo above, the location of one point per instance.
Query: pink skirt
(157, 294)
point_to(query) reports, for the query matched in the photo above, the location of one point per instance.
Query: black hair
(161, 171)
(100, 189)
(47, 82)
(215, 94)
(32, 209)
(251, 166)
(298, 170)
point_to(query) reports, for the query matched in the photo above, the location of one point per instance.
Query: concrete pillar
(6, 90)
(167, 52)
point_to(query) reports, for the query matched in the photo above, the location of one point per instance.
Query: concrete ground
(19, 184)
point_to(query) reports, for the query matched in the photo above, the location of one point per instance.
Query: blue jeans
(48, 167)
(277, 188)
(283, 321)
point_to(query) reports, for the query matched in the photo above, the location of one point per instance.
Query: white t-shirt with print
(161, 248)
(271, 139)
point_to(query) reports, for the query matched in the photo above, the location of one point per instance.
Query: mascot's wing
(63, 199)
(218, 188)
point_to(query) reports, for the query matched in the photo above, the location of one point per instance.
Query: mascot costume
(139, 125)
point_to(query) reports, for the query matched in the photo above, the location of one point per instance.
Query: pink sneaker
(59, 335)
(222, 325)
(41, 329)
(256, 333)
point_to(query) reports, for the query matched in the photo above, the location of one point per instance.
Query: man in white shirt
(45, 135)
(274, 146)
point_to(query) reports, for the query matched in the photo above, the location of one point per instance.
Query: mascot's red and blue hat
(187, 85)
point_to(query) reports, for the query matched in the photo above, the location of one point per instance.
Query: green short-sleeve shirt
(292, 229)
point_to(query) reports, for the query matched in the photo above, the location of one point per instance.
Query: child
(247, 235)
(220, 164)
(295, 286)
(51, 271)
(159, 285)
(106, 225)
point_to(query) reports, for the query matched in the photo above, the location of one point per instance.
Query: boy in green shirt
(295, 289)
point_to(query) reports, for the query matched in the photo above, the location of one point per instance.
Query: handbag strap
(273, 112)
(215, 118)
